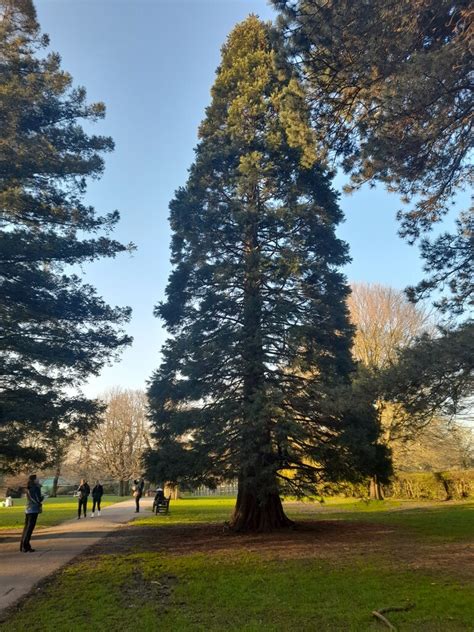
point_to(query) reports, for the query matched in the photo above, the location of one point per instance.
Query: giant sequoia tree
(391, 90)
(56, 330)
(257, 366)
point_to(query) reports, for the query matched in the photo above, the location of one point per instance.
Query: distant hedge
(452, 485)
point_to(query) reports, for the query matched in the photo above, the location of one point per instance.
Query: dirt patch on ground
(322, 539)
(139, 589)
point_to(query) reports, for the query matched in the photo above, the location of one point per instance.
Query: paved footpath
(54, 547)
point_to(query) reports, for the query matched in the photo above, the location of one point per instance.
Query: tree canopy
(434, 376)
(56, 330)
(391, 90)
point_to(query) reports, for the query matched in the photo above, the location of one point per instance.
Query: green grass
(439, 521)
(234, 589)
(191, 510)
(240, 591)
(219, 509)
(55, 511)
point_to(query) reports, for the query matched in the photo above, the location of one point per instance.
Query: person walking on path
(34, 506)
(97, 493)
(138, 486)
(83, 492)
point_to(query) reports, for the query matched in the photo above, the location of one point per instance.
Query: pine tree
(391, 88)
(433, 377)
(259, 358)
(56, 330)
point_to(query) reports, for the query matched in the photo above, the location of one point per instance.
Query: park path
(55, 547)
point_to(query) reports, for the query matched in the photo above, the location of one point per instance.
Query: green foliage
(254, 381)
(392, 97)
(56, 331)
(346, 489)
(448, 265)
(449, 485)
(434, 376)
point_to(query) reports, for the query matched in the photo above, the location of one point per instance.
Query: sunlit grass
(219, 509)
(191, 510)
(445, 521)
(234, 589)
(55, 511)
(441, 521)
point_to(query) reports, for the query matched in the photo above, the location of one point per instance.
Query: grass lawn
(219, 509)
(441, 521)
(55, 510)
(184, 572)
(444, 521)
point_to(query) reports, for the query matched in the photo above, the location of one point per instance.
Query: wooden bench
(162, 507)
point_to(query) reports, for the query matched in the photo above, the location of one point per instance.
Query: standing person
(34, 506)
(83, 492)
(138, 486)
(97, 494)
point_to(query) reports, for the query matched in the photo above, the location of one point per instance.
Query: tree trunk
(54, 489)
(376, 489)
(258, 506)
(445, 484)
(172, 491)
(121, 488)
(252, 513)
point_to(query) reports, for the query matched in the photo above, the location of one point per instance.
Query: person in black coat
(83, 492)
(34, 506)
(138, 486)
(97, 493)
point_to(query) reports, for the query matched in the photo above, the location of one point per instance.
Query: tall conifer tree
(55, 330)
(259, 346)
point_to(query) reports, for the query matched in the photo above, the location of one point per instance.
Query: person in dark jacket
(97, 493)
(83, 492)
(159, 500)
(34, 506)
(159, 496)
(138, 486)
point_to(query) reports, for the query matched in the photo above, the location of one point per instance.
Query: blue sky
(153, 63)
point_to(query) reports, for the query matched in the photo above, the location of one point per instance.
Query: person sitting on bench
(160, 502)
(159, 496)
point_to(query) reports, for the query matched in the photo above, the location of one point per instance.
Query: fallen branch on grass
(379, 614)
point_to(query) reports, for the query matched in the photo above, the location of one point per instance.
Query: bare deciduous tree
(385, 322)
(117, 444)
(443, 445)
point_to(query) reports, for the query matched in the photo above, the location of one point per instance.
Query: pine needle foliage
(390, 85)
(56, 330)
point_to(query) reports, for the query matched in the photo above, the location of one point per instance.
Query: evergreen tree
(56, 331)
(449, 266)
(254, 382)
(433, 377)
(391, 87)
